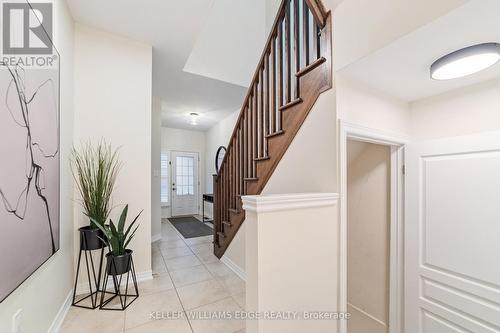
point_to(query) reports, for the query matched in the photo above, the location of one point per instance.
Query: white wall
(113, 101)
(217, 136)
(464, 111)
(309, 164)
(235, 252)
(272, 7)
(40, 297)
(173, 139)
(362, 105)
(156, 168)
(281, 275)
(368, 233)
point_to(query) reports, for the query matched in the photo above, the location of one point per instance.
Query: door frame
(171, 176)
(398, 145)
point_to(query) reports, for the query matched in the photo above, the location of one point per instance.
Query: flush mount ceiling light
(466, 61)
(194, 118)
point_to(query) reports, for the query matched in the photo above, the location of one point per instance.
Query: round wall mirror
(219, 157)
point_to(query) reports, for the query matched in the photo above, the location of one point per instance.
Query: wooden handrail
(299, 42)
(318, 11)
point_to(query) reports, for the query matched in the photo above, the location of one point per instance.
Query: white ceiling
(173, 29)
(401, 69)
(361, 27)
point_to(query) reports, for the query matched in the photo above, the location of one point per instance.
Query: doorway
(185, 183)
(368, 236)
(371, 230)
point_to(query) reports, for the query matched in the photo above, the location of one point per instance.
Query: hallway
(188, 278)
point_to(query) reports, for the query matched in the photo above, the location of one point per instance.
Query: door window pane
(185, 175)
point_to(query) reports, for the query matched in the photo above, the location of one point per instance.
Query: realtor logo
(23, 32)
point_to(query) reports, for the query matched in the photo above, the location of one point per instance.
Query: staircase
(294, 69)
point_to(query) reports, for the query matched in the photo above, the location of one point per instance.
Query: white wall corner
(61, 314)
(234, 267)
(280, 202)
(144, 276)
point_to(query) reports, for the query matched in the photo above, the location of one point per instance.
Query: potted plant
(95, 169)
(118, 260)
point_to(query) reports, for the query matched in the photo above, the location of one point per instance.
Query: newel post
(216, 208)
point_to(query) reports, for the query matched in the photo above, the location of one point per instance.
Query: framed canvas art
(29, 143)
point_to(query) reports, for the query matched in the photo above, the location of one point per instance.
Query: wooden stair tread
(221, 234)
(271, 135)
(263, 158)
(290, 104)
(232, 210)
(229, 224)
(310, 67)
(252, 179)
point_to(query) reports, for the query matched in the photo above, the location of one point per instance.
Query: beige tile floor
(188, 279)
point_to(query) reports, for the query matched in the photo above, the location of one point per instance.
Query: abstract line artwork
(29, 171)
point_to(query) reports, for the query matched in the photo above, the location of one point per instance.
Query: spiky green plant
(95, 169)
(116, 238)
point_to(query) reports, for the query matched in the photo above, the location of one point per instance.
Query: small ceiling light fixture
(466, 61)
(194, 118)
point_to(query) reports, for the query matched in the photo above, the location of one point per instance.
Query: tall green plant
(95, 169)
(116, 238)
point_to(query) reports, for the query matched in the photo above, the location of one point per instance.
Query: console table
(210, 199)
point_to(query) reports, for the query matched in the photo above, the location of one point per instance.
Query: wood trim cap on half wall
(280, 202)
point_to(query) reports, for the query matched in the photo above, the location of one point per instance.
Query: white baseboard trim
(83, 288)
(366, 314)
(235, 268)
(61, 314)
(155, 238)
(144, 276)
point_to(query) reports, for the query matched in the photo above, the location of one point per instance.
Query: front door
(452, 277)
(184, 183)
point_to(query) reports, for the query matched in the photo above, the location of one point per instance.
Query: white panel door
(184, 183)
(452, 275)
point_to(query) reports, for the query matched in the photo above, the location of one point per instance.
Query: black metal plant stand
(119, 266)
(88, 243)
